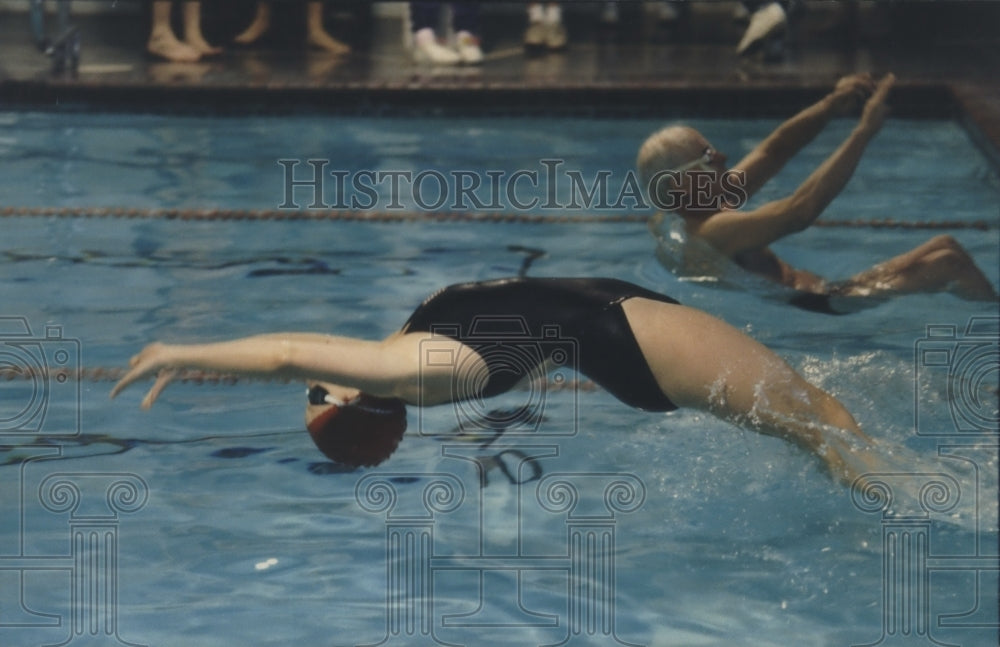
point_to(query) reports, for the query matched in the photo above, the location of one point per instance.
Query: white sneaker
(426, 49)
(468, 48)
(555, 36)
(767, 21)
(534, 35)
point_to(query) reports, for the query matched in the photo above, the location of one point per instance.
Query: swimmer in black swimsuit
(587, 312)
(642, 347)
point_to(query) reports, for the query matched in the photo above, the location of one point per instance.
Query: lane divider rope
(137, 213)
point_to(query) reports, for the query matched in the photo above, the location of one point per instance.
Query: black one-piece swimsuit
(536, 315)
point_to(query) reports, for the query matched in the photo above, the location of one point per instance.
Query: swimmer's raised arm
(388, 368)
(771, 155)
(732, 232)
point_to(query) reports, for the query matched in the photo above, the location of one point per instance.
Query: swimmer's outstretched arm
(733, 232)
(388, 368)
(771, 155)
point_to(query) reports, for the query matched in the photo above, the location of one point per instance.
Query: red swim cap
(361, 433)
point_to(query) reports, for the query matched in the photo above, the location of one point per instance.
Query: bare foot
(202, 46)
(166, 46)
(322, 40)
(261, 23)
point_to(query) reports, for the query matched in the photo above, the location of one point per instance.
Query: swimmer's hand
(153, 359)
(850, 93)
(876, 109)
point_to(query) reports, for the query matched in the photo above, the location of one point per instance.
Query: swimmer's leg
(816, 421)
(704, 363)
(939, 265)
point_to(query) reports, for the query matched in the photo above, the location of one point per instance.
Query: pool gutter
(976, 107)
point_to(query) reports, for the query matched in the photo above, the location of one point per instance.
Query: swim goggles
(704, 162)
(317, 395)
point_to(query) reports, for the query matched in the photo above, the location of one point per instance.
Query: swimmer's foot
(166, 46)
(319, 39)
(853, 458)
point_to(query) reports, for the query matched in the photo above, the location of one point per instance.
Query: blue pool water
(232, 529)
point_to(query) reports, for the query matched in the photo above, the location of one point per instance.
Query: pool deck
(945, 56)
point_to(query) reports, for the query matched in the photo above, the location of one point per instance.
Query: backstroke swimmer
(688, 177)
(644, 348)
